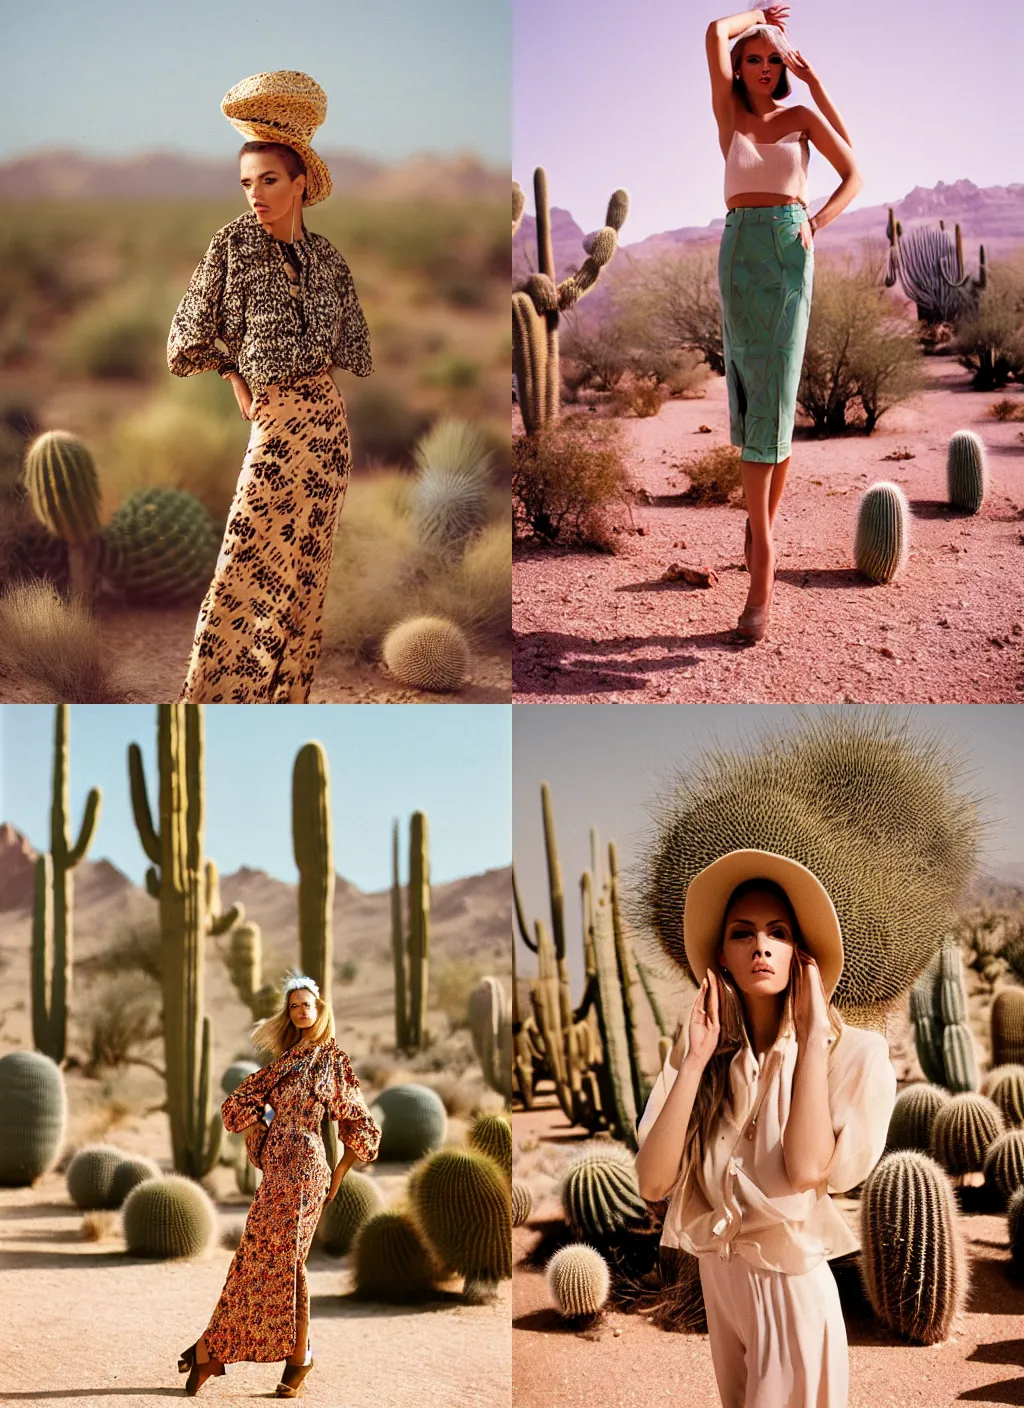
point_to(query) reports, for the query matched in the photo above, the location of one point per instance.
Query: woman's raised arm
(719, 36)
(798, 65)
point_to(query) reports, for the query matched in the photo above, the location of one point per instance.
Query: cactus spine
(184, 883)
(578, 1280)
(33, 1116)
(54, 902)
(938, 1006)
(1004, 1164)
(966, 471)
(883, 532)
(522, 1203)
(910, 1126)
(963, 1132)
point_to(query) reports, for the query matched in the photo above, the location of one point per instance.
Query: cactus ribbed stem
(419, 927)
(398, 947)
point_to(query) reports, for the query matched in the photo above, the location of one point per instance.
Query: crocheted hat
(285, 106)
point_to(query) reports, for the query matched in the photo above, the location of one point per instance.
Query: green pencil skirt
(765, 276)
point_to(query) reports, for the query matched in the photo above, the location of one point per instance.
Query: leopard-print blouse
(238, 310)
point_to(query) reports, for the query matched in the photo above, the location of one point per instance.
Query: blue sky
(929, 93)
(386, 761)
(115, 77)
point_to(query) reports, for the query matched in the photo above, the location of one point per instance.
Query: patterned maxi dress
(255, 1318)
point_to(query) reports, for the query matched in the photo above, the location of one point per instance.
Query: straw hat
(285, 106)
(708, 894)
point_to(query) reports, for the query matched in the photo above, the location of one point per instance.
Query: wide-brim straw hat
(708, 894)
(284, 106)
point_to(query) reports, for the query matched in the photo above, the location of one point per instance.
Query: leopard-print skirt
(258, 636)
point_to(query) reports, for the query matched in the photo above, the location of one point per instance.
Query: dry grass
(100, 1226)
(55, 645)
(451, 982)
(476, 590)
(565, 477)
(715, 476)
(641, 396)
(1006, 409)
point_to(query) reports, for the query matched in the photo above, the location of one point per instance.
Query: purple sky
(607, 94)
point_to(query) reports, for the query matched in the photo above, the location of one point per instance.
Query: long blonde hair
(278, 1034)
(733, 1036)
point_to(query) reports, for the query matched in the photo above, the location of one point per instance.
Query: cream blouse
(741, 1200)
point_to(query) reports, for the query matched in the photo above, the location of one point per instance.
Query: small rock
(681, 544)
(692, 576)
(888, 652)
(943, 621)
(999, 644)
(706, 430)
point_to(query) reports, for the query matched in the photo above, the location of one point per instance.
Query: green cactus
(910, 1126)
(90, 1177)
(929, 265)
(964, 1131)
(356, 1201)
(628, 978)
(170, 1217)
(578, 1281)
(245, 961)
(419, 927)
(427, 652)
(160, 547)
(490, 1026)
(128, 1174)
(390, 1260)
(1007, 1018)
(235, 1074)
(599, 1193)
(938, 1005)
(185, 884)
(883, 532)
(413, 1121)
(966, 471)
(522, 1204)
(64, 491)
(398, 954)
(492, 1135)
(33, 1117)
(912, 1259)
(1015, 1226)
(1004, 1164)
(247, 1176)
(449, 498)
(463, 1204)
(927, 1033)
(1005, 1085)
(54, 901)
(618, 1096)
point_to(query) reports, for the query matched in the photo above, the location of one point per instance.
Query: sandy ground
(598, 628)
(627, 1362)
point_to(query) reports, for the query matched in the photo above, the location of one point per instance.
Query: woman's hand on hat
(810, 1005)
(777, 15)
(705, 1019)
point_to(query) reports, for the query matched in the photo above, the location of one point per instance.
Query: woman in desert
(263, 1311)
(272, 308)
(766, 258)
(766, 1101)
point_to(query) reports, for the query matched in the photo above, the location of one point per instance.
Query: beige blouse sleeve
(656, 1102)
(351, 349)
(197, 326)
(861, 1096)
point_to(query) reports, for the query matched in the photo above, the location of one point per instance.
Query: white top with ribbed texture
(778, 168)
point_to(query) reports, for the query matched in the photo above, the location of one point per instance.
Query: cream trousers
(777, 1341)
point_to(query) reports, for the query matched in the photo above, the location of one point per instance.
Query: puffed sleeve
(351, 349)
(861, 1096)
(357, 1128)
(199, 324)
(246, 1102)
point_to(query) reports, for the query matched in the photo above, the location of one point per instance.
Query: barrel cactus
(390, 1260)
(964, 1131)
(413, 1121)
(883, 532)
(169, 1217)
(578, 1280)
(1004, 1164)
(522, 1204)
(1005, 1085)
(464, 1206)
(449, 498)
(599, 1192)
(966, 471)
(33, 1117)
(1015, 1225)
(129, 1173)
(427, 652)
(913, 1115)
(356, 1201)
(1007, 1019)
(90, 1177)
(235, 1074)
(492, 1135)
(64, 491)
(160, 546)
(912, 1259)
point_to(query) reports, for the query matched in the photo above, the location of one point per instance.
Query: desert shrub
(642, 396)
(56, 645)
(135, 949)
(384, 426)
(600, 353)
(123, 1018)
(1006, 410)
(715, 476)
(454, 373)
(886, 369)
(123, 334)
(562, 477)
(675, 299)
(989, 339)
(452, 980)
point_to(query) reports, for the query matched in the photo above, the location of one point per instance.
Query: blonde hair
(277, 1034)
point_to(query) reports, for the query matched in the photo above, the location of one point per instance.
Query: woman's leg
(778, 483)
(757, 483)
(298, 1354)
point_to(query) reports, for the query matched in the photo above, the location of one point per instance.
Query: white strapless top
(767, 167)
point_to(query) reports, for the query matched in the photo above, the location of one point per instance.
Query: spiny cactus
(1007, 1018)
(878, 810)
(413, 1121)
(492, 1135)
(419, 928)
(1004, 1164)
(912, 1258)
(578, 1280)
(1015, 1225)
(160, 546)
(54, 901)
(245, 961)
(599, 1193)
(33, 1117)
(913, 1115)
(463, 1204)
(966, 471)
(449, 498)
(883, 532)
(490, 1025)
(938, 1007)
(168, 1217)
(129, 1173)
(522, 1204)
(427, 652)
(963, 1132)
(235, 1074)
(64, 491)
(1005, 1085)
(356, 1201)
(929, 265)
(90, 1177)
(390, 1260)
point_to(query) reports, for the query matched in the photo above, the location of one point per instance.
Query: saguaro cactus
(398, 948)
(419, 926)
(184, 883)
(929, 265)
(54, 902)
